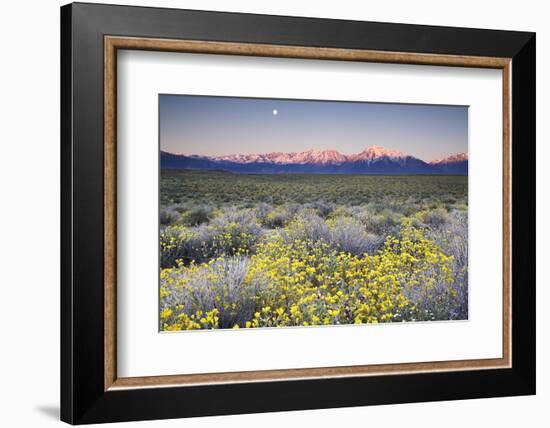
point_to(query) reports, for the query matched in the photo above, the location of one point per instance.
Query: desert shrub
(275, 217)
(450, 200)
(342, 211)
(181, 244)
(322, 209)
(441, 295)
(168, 216)
(434, 218)
(456, 237)
(293, 208)
(342, 233)
(245, 217)
(262, 211)
(220, 294)
(181, 207)
(383, 224)
(234, 232)
(461, 207)
(350, 236)
(234, 238)
(172, 245)
(453, 240)
(308, 227)
(196, 216)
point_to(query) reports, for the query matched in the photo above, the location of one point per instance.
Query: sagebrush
(244, 251)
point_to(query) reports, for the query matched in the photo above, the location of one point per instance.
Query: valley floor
(244, 251)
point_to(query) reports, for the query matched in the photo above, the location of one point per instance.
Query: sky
(214, 126)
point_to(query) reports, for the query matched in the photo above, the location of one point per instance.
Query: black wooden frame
(83, 399)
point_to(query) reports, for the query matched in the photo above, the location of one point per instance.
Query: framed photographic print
(265, 213)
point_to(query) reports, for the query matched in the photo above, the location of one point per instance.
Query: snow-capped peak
(375, 152)
(458, 157)
(313, 156)
(319, 157)
(308, 156)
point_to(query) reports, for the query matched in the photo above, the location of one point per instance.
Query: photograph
(286, 213)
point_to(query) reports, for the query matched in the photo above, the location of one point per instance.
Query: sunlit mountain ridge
(372, 160)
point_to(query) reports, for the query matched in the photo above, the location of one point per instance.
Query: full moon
(275, 112)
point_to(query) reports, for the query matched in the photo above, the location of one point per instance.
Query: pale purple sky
(205, 125)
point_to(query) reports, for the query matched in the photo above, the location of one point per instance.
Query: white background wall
(29, 217)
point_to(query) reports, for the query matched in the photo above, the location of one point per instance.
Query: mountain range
(372, 160)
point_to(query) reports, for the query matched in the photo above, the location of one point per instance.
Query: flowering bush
(308, 282)
(229, 234)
